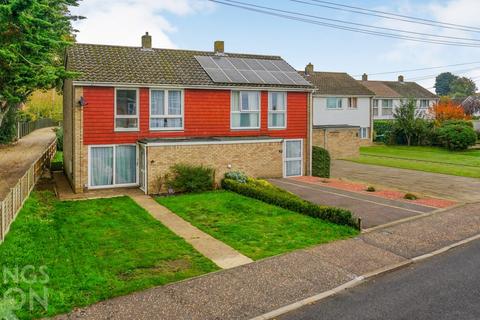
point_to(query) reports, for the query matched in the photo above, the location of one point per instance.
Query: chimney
(400, 78)
(364, 77)
(309, 69)
(146, 41)
(219, 47)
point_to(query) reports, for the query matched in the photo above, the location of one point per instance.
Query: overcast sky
(196, 24)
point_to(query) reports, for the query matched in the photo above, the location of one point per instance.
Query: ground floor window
(364, 133)
(112, 165)
(293, 157)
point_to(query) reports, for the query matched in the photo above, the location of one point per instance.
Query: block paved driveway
(373, 210)
(462, 189)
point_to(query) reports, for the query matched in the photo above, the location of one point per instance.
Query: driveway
(373, 210)
(433, 184)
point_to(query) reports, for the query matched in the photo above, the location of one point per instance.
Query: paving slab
(426, 183)
(221, 254)
(427, 234)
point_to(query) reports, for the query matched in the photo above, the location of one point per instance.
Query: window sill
(245, 129)
(167, 129)
(277, 128)
(126, 130)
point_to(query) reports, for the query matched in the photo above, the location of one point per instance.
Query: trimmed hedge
(264, 191)
(320, 162)
(456, 136)
(382, 130)
(188, 178)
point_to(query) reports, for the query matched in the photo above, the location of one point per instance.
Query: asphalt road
(443, 287)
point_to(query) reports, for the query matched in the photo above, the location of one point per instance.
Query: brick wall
(340, 142)
(255, 159)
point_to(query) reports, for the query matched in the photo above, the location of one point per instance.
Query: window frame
(375, 106)
(165, 109)
(259, 111)
(285, 94)
(285, 159)
(137, 111)
(427, 105)
(367, 131)
(113, 185)
(388, 108)
(337, 99)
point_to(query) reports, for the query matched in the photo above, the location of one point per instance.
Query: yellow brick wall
(255, 159)
(340, 142)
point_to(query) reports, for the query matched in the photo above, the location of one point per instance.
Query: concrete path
(373, 211)
(437, 185)
(257, 288)
(221, 254)
(16, 159)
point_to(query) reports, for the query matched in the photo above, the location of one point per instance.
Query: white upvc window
(112, 166)
(364, 133)
(126, 109)
(353, 103)
(245, 110)
(277, 110)
(166, 109)
(334, 103)
(375, 107)
(424, 103)
(387, 107)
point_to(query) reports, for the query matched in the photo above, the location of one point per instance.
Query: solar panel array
(255, 71)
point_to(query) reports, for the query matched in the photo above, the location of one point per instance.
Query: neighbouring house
(133, 112)
(391, 94)
(342, 118)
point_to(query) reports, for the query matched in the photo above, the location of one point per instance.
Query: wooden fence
(24, 128)
(13, 201)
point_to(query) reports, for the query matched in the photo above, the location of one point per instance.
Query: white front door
(293, 158)
(142, 161)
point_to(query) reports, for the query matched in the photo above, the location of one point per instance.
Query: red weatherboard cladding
(207, 113)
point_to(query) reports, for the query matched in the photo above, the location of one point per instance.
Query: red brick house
(133, 112)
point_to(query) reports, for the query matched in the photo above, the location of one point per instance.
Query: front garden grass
(252, 227)
(430, 159)
(92, 250)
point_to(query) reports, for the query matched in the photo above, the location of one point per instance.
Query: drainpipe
(310, 129)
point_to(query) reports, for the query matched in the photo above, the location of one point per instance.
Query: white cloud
(122, 22)
(462, 12)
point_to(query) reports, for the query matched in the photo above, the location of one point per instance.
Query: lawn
(254, 228)
(430, 159)
(92, 250)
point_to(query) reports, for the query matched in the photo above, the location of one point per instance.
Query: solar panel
(255, 71)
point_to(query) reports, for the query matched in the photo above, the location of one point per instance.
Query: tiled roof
(339, 83)
(396, 89)
(134, 65)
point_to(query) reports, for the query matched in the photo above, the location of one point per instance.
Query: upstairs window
(375, 107)
(126, 110)
(334, 103)
(277, 110)
(166, 110)
(352, 103)
(387, 107)
(245, 110)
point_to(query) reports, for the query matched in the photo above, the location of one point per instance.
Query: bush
(410, 196)
(59, 134)
(57, 162)
(188, 178)
(264, 191)
(382, 130)
(320, 162)
(8, 128)
(456, 136)
(237, 176)
(370, 189)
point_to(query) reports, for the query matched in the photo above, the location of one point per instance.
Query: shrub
(59, 134)
(320, 162)
(370, 189)
(456, 136)
(264, 191)
(382, 130)
(8, 127)
(188, 178)
(237, 176)
(446, 110)
(410, 196)
(57, 162)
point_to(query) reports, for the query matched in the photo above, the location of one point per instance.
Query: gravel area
(17, 158)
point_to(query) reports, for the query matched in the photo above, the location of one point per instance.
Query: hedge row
(381, 129)
(320, 162)
(275, 196)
